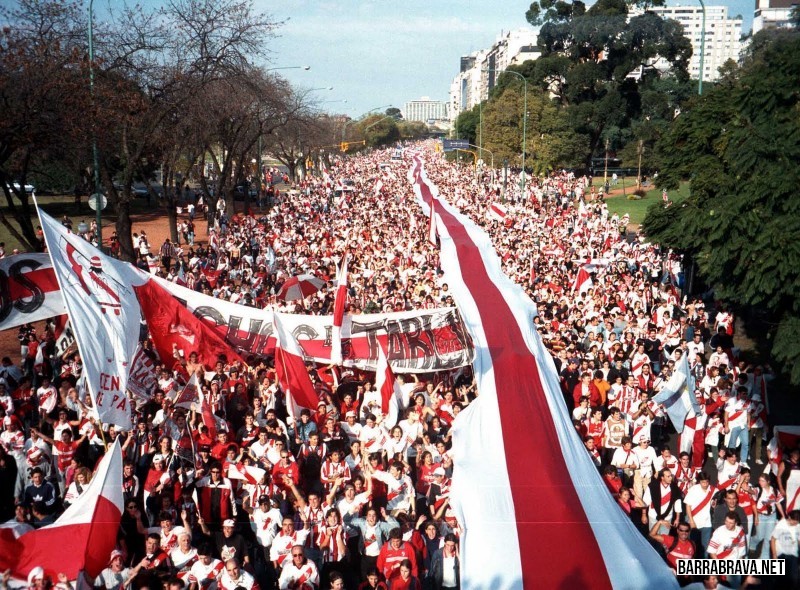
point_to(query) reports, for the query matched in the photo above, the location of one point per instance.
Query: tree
(466, 125)
(598, 64)
(394, 112)
(739, 146)
(43, 96)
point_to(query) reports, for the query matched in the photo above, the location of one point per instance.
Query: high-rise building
(479, 70)
(425, 110)
(723, 36)
(772, 14)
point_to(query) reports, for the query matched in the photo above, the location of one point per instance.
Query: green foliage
(740, 144)
(466, 125)
(589, 57)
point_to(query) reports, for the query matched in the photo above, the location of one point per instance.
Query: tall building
(479, 70)
(425, 110)
(723, 36)
(772, 14)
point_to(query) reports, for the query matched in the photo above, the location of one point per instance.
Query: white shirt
(290, 574)
(786, 538)
(267, 525)
(647, 457)
(732, 543)
(694, 497)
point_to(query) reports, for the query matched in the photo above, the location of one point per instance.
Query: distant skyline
(377, 53)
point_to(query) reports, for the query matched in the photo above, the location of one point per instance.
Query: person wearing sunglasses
(300, 573)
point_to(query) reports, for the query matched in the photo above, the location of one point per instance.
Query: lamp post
(702, 48)
(483, 149)
(344, 127)
(95, 157)
(524, 119)
(289, 68)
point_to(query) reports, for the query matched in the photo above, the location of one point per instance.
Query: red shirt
(389, 560)
(682, 550)
(66, 451)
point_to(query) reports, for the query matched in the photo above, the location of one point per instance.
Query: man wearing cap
(439, 498)
(350, 427)
(116, 575)
(266, 519)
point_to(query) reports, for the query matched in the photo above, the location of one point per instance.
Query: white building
(425, 110)
(772, 14)
(723, 36)
(479, 70)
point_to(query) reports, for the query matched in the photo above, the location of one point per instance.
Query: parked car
(29, 188)
(242, 189)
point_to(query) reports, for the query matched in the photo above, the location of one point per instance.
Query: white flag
(104, 312)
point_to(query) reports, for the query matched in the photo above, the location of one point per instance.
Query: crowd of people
(338, 498)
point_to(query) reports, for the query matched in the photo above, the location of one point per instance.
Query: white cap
(439, 471)
(36, 573)
(158, 457)
(229, 522)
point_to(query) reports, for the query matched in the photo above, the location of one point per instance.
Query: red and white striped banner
(534, 510)
(28, 290)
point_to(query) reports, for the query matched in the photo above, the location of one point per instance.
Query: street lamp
(483, 149)
(524, 119)
(702, 48)
(344, 127)
(95, 158)
(371, 125)
(289, 68)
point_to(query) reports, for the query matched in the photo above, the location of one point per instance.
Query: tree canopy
(739, 144)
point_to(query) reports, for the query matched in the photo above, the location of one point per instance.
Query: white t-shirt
(786, 537)
(647, 457)
(694, 497)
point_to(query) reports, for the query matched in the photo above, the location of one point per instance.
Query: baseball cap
(157, 458)
(114, 554)
(7, 421)
(263, 499)
(36, 573)
(439, 471)
(229, 522)
(350, 413)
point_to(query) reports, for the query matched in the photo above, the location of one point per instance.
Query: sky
(380, 52)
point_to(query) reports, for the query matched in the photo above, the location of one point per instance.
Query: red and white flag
(248, 473)
(524, 489)
(339, 305)
(32, 292)
(82, 538)
(391, 394)
(432, 225)
(98, 292)
(290, 367)
(176, 332)
(497, 212)
(583, 281)
(378, 186)
(190, 397)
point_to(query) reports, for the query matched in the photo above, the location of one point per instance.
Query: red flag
(338, 311)
(211, 275)
(173, 327)
(82, 538)
(583, 281)
(292, 373)
(389, 388)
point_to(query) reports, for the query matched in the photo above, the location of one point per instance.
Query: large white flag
(104, 312)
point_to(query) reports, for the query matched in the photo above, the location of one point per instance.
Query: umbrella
(300, 287)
